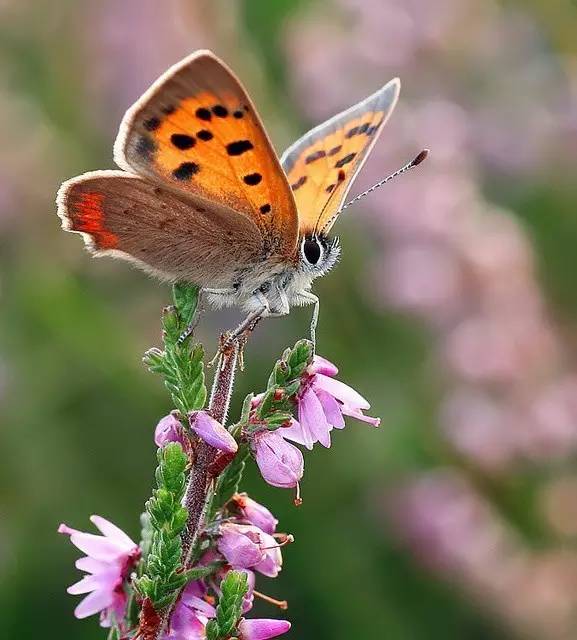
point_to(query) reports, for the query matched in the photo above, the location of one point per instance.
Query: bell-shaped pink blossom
(322, 402)
(271, 563)
(192, 612)
(255, 513)
(245, 546)
(262, 629)
(108, 562)
(281, 464)
(168, 429)
(240, 545)
(212, 432)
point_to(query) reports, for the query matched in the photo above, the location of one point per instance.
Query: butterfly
(202, 196)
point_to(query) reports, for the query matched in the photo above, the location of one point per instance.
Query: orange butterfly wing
(322, 164)
(197, 131)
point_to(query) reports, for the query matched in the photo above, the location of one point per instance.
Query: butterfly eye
(312, 250)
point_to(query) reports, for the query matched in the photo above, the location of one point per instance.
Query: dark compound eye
(312, 250)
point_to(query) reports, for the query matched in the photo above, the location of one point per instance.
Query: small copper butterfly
(203, 198)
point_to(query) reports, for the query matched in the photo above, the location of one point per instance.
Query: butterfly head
(318, 254)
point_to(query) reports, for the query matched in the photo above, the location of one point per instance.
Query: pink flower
(168, 429)
(262, 629)
(192, 612)
(281, 463)
(322, 402)
(240, 545)
(212, 432)
(245, 546)
(109, 560)
(255, 513)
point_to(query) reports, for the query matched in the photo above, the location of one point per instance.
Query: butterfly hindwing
(175, 238)
(196, 131)
(322, 164)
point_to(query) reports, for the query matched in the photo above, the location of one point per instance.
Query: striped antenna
(413, 163)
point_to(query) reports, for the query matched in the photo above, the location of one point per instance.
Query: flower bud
(212, 432)
(280, 463)
(255, 513)
(168, 429)
(262, 628)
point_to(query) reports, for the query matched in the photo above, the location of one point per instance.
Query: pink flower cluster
(246, 540)
(244, 537)
(322, 402)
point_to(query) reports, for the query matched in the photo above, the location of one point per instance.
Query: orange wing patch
(197, 131)
(322, 165)
(88, 217)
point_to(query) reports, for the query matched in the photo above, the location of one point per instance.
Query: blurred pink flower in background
(456, 532)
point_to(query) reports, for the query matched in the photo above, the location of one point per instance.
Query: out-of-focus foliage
(453, 310)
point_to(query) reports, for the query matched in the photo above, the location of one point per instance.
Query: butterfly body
(278, 287)
(202, 196)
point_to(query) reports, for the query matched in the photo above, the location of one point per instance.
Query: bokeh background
(454, 310)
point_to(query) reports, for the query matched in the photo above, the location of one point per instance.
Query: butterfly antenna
(413, 163)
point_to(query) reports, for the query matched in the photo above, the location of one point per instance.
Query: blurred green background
(453, 310)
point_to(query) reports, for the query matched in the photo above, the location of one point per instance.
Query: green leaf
(229, 480)
(229, 610)
(185, 298)
(163, 573)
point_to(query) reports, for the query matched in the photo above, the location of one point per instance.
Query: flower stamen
(281, 604)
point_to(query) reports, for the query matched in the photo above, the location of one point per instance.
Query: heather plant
(203, 541)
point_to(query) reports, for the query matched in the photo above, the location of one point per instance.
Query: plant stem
(199, 487)
(199, 482)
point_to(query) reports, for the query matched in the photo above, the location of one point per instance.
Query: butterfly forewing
(323, 163)
(196, 131)
(172, 237)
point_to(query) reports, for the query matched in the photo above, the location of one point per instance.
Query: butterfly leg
(203, 293)
(306, 297)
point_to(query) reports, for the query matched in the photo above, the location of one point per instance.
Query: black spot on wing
(371, 130)
(343, 161)
(330, 188)
(204, 134)
(238, 147)
(203, 114)
(252, 179)
(299, 183)
(168, 109)
(265, 208)
(151, 124)
(186, 170)
(145, 147)
(317, 155)
(356, 131)
(335, 150)
(182, 141)
(220, 111)
(238, 114)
